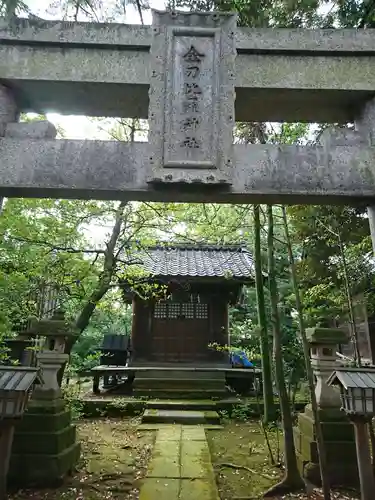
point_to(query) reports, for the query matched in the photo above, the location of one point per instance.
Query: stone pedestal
(337, 430)
(44, 446)
(339, 444)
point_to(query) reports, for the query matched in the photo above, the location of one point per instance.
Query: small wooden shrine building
(189, 311)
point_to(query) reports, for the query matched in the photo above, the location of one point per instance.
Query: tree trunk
(269, 405)
(372, 441)
(309, 371)
(292, 480)
(357, 354)
(102, 287)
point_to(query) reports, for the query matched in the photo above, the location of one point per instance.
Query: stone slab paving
(192, 417)
(180, 467)
(150, 426)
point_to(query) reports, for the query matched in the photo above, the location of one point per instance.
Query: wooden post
(95, 385)
(6, 440)
(362, 441)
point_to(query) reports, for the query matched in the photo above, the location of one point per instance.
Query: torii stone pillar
(12, 128)
(45, 447)
(365, 124)
(337, 430)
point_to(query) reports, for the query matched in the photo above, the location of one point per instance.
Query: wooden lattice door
(180, 331)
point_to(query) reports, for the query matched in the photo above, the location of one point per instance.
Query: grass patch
(114, 459)
(243, 444)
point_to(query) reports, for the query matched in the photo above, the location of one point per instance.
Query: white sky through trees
(81, 127)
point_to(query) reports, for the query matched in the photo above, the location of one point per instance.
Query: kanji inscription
(191, 103)
(193, 56)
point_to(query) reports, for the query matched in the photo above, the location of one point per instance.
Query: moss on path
(180, 468)
(113, 461)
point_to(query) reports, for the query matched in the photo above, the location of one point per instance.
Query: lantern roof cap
(332, 336)
(353, 378)
(18, 378)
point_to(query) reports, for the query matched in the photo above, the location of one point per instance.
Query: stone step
(166, 383)
(153, 426)
(179, 394)
(181, 374)
(200, 405)
(187, 417)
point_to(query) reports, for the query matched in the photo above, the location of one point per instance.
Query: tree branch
(52, 247)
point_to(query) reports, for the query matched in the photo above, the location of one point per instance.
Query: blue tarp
(241, 360)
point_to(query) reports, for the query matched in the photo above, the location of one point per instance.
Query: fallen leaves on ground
(317, 494)
(242, 464)
(114, 458)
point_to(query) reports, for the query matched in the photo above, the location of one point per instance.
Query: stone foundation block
(42, 469)
(332, 431)
(44, 422)
(44, 442)
(339, 444)
(44, 445)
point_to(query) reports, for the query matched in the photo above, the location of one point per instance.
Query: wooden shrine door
(180, 332)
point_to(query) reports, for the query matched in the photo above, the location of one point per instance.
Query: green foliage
(110, 317)
(10, 8)
(73, 400)
(319, 230)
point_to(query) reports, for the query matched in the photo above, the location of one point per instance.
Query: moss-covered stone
(339, 445)
(332, 431)
(42, 469)
(48, 404)
(180, 466)
(327, 414)
(119, 407)
(202, 489)
(44, 422)
(39, 443)
(112, 408)
(44, 445)
(331, 336)
(154, 488)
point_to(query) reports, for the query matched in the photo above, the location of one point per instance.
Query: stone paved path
(180, 467)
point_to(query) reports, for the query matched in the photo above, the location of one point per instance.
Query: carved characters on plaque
(191, 112)
(191, 142)
(190, 123)
(192, 93)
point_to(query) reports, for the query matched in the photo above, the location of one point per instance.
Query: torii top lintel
(192, 75)
(280, 74)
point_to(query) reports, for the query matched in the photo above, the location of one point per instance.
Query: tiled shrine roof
(199, 261)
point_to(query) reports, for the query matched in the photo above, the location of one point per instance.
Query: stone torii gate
(192, 75)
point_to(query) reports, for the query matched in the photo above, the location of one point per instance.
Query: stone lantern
(337, 430)
(51, 356)
(324, 343)
(357, 387)
(47, 426)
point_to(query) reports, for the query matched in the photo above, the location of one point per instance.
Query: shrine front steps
(180, 384)
(178, 394)
(185, 417)
(176, 404)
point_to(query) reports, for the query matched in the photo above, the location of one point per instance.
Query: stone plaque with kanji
(191, 112)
